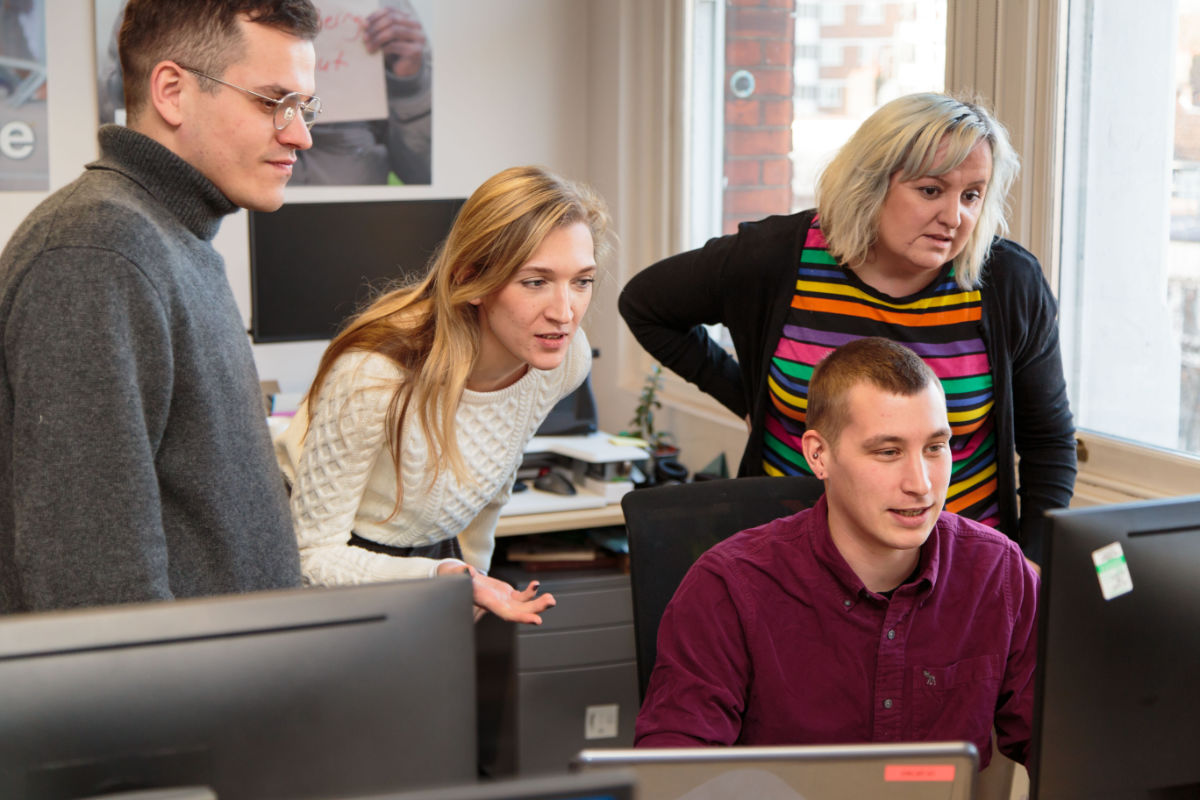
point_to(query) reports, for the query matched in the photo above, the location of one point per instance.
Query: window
(831, 54)
(833, 12)
(776, 139)
(770, 144)
(831, 97)
(1108, 198)
(871, 14)
(1130, 279)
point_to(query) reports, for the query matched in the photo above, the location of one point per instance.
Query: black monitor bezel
(1086, 642)
(295, 693)
(313, 265)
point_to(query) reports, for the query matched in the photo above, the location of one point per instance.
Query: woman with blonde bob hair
(408, 442)
(914, 136)
(905, 243)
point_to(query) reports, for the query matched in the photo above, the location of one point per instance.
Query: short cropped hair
(903, 136)
(879, 362)
(201, 34)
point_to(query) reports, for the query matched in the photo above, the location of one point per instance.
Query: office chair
(670, 526)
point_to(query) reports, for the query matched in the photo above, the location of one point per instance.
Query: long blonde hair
(430, 329)
(903, 136)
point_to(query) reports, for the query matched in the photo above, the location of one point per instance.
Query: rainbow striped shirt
(942, 324)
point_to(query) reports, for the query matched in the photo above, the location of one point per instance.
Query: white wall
(71, 105)
(564, 83)
(509, 79)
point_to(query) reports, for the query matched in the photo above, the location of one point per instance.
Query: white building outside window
(1130, 282)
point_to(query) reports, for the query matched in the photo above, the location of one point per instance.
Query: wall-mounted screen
(312, 265)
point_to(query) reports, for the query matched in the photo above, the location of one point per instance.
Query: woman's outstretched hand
(503, 600)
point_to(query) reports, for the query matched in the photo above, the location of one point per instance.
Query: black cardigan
(746, 282)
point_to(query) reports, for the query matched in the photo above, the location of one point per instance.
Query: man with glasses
(135, 462)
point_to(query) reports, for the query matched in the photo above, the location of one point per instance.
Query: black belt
(447, 548)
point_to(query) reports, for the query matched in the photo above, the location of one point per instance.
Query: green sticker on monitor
(1112, 571)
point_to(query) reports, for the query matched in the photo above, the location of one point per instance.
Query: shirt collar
(830, 558)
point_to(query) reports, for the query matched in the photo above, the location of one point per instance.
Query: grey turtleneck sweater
(135, 462)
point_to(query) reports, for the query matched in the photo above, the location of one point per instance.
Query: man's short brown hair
(201, 34)
(880, 362)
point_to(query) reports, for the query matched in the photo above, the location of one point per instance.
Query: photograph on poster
(375, 81)
(109, 91)
(24, 145)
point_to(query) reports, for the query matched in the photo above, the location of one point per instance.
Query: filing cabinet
(546, 692)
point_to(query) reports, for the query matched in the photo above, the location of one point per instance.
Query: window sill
(685, 398)
(1115, 470)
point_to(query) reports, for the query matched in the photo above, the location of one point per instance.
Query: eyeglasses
(285, 108)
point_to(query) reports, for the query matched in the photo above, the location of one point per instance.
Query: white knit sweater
(343, 478)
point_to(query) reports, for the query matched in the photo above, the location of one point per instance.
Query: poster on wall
(375, 81)
(24, 145)
(108, 67)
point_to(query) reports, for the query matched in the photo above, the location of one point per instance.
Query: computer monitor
(1117, 713)
(573, 415)
(602, 785)
(292, 694)
(919, 771)
(313, 265)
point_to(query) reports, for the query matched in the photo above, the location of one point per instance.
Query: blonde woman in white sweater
(408, 442)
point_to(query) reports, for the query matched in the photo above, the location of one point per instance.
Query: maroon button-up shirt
(772, 639)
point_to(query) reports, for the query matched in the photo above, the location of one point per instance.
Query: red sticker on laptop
(931, 773)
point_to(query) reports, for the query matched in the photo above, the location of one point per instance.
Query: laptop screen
(922, 771)
(605, 784)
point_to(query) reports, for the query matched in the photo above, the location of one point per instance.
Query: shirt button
(887, 703)
(846, 603)
(892, 633)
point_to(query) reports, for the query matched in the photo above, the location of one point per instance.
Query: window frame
(1002, 51)
(1111, 468)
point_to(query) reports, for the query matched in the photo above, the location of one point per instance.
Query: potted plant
(664, 453)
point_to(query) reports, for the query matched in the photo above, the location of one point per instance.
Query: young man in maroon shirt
(875, 616)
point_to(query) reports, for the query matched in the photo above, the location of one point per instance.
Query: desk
(550, 521)
(593, 448)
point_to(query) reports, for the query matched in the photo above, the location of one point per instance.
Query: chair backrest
(670, 526)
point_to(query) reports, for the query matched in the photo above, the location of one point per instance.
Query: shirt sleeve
(478, 539)
(88, 348)
(1014, 707)
(1044, 428)
(666, 306)
(334, 454)
(697, 691)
